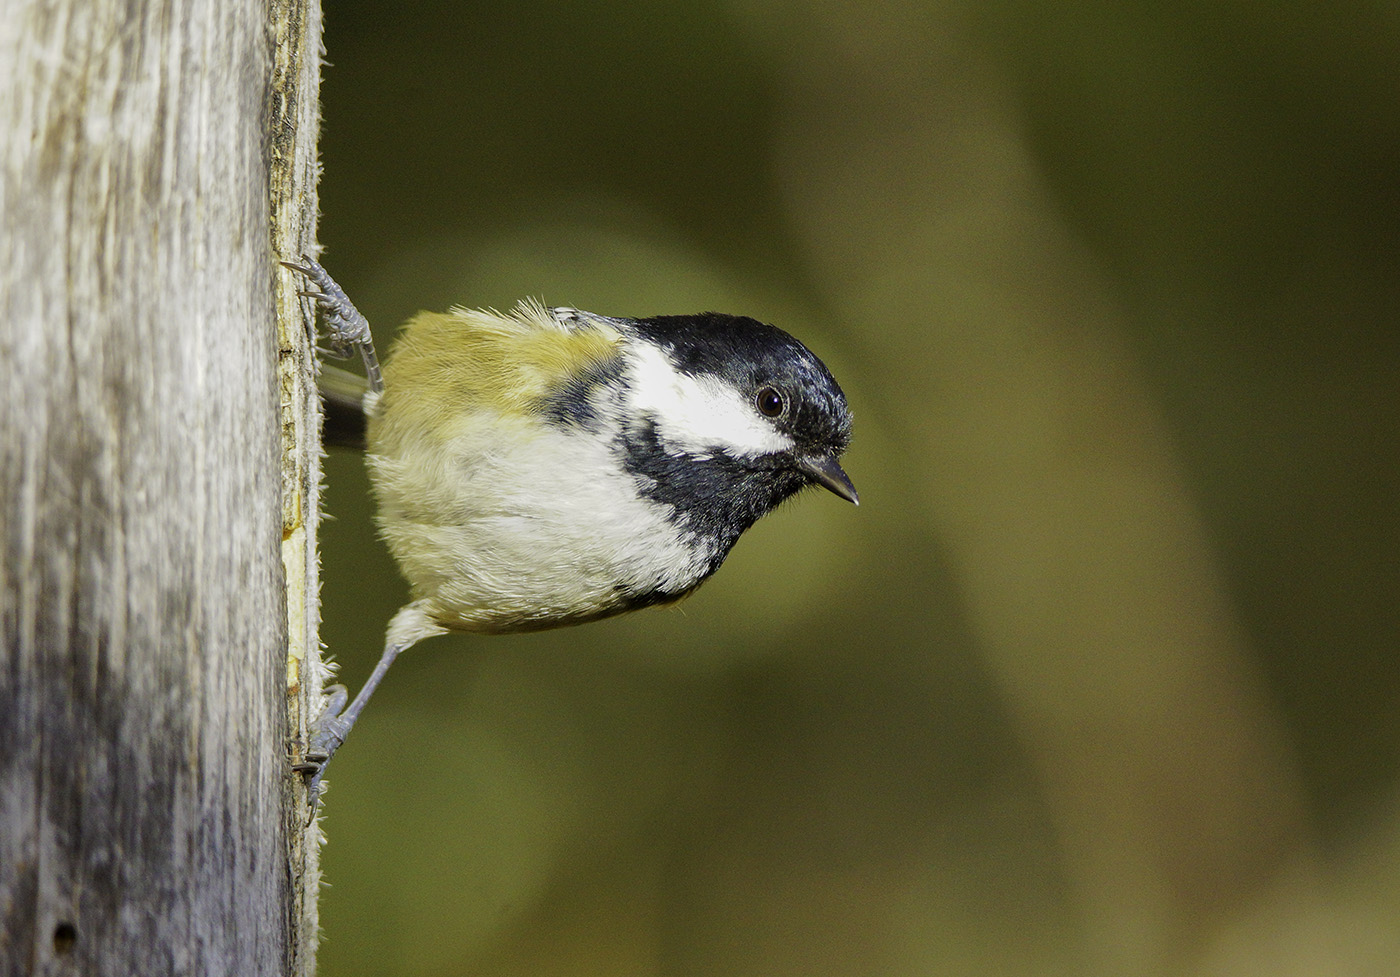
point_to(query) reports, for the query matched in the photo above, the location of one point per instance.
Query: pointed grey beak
(826, 471)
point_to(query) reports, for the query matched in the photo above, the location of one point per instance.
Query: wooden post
(157, 486)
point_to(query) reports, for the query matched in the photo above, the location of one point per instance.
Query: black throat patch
(715, 497)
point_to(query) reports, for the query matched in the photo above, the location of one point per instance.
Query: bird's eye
(770, 402)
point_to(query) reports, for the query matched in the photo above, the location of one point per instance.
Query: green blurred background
(1101, 676)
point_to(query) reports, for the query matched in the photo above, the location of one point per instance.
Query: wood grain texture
(148, 437)
(292, 125)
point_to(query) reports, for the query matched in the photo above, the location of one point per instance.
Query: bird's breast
(530, 526)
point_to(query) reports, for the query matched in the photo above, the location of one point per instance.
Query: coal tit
(550, 466)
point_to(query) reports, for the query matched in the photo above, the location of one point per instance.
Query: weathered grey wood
(156, 474)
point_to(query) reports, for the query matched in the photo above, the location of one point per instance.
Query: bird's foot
(327, 734)
(347, 331)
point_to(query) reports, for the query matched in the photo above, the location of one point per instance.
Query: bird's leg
(348, 329)
(411, 624)
(329, 730)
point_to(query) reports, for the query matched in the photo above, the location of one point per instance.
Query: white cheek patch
(697, 414)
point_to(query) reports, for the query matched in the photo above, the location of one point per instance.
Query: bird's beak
(826, 471)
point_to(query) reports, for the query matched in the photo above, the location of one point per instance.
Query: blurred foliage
(1101, 676)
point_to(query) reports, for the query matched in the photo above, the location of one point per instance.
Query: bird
(549, 466)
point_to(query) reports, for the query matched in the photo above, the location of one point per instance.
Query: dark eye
(770, 402)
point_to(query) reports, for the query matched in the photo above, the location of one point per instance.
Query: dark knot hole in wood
(64, 936)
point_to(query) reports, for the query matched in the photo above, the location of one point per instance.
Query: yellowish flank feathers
(469, 360)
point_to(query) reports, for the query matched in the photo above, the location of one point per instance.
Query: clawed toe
(348, 330)
(327, 733)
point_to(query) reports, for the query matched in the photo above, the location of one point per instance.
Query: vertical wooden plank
(148, 821)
